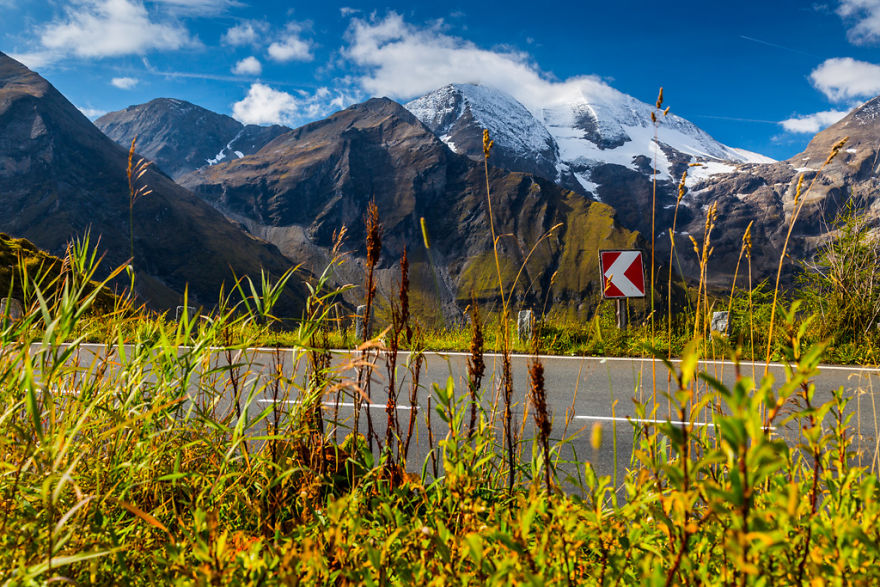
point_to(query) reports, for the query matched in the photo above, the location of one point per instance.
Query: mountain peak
(13, 72)
(181, 137)
(458, 113)
(61, 177)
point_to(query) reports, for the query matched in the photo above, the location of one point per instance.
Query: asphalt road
(582, 393)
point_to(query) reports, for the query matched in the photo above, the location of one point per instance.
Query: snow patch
(705, 171)
(449, 143)
(222, 154)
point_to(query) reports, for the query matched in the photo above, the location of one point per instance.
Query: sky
(759, 75)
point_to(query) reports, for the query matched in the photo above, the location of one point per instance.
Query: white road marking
(853, 368)
(641, 421)
(333, 404)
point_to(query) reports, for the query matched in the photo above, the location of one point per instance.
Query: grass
(161, 462)
(136, 479)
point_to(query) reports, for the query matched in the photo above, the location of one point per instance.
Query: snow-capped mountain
(458, 113)
(572, 134)
(589, 138)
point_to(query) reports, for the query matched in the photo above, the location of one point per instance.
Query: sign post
(623, 277)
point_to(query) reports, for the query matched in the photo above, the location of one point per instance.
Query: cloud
(864, 19)
(109, 28)
(124, 83)
(347, 11)
(250, 32)
(248, 66)
(263, 105)
(812, 123)
(36, 59)
(92, 113)
(291, 47)
(844, 78)
(266, 105)
(403, 61)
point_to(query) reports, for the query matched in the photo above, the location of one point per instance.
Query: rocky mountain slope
(765, 193)
(597, 141)
(180, 137)
(60, 177)
(302, 187)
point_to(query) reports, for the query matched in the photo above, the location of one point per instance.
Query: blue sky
(760, 75)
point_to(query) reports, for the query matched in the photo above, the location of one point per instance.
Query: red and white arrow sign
(623, 274)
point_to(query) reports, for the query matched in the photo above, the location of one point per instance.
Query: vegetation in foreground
(131, 468)
(173, 459)
(135, 468)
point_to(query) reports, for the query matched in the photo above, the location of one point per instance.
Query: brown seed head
(539, 398)
(836, 149)
(660, 99)
(374, 233)
(487, 143)
(747, 238)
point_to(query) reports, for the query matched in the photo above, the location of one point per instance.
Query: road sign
(623, 274)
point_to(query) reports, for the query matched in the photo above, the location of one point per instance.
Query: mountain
(594, 140)
(765, 193)
(60, 177)
(180, 137)
(298, 190)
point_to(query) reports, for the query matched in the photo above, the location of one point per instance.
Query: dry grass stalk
(475, 364)
(374, 249)
(799, 199)
(538, 397)
(135, 170)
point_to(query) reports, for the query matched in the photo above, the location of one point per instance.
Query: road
(582, 393)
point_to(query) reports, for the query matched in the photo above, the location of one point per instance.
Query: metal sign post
(623, 277)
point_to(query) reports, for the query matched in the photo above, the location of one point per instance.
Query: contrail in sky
(784, 48)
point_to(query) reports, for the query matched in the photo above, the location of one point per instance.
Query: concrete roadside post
(524, 325)
(359, 333)
(188, 311)
(12, 309)
(720, 322)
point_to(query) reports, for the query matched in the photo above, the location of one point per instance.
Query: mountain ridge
(61, 177)
(208, 138)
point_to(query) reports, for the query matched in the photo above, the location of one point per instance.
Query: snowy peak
(510, 122)
(567, 136)
(458, 113)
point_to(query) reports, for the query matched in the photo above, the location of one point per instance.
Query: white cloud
(107, 28)
(812, 123)
(865, 18)
(92, 113)
(250, 32)
(403, 61)
(347, 11)
(248, 66)
(264, 105)
(844, 78)
(124, 83)
(291, 47)
(35, 59)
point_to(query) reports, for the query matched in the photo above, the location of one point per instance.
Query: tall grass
(177, 454)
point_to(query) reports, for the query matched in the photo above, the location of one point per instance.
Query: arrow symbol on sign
(616, 274)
